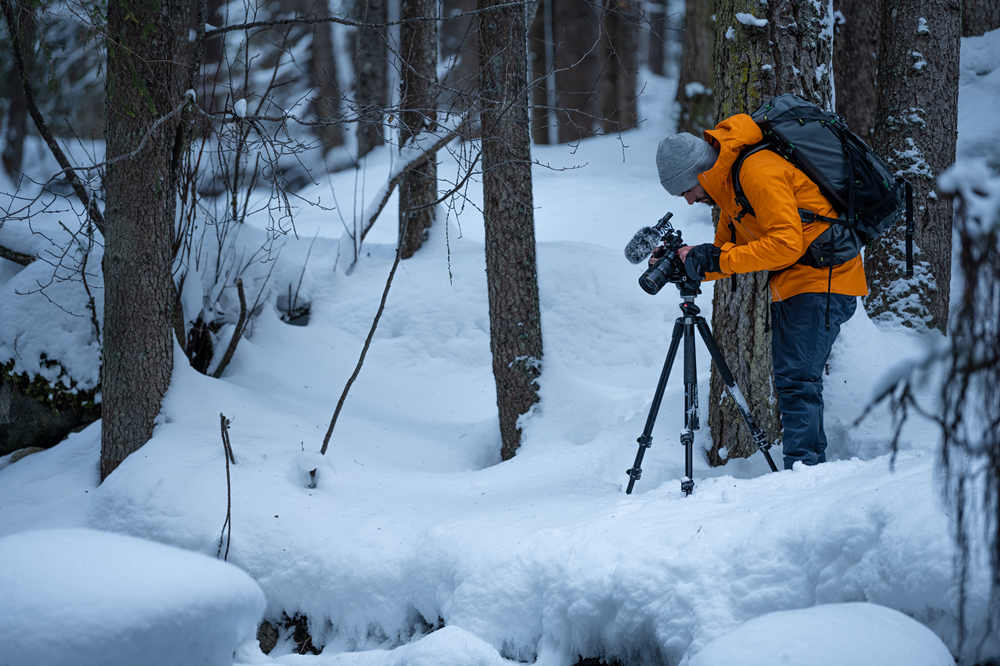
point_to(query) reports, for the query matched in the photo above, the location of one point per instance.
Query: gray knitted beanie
(680, 158)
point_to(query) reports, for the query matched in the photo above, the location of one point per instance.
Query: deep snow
(414, 521)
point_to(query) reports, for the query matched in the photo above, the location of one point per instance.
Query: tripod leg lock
(645, 441)
(634, 473)
(687, 437)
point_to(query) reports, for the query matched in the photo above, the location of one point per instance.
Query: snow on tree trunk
(371, 73)
(151, 63)
(418, 101)
(855, 63)
(792, 52)
(694, 89)
(915, 130)
(511, 271)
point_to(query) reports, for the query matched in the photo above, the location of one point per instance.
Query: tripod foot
(687, 486)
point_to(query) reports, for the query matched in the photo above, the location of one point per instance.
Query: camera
(669, 268)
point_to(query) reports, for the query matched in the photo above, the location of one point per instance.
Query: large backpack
(858, 183)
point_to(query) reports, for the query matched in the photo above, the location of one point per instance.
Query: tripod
(684, 328)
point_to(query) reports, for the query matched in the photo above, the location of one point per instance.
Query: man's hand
(658, 254)
(700, 259)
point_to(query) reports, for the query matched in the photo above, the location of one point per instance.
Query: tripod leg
(646, 438)
(690, 406)
(759, 439)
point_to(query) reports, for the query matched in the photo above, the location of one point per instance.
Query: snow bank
(79, 597)
(827, 635)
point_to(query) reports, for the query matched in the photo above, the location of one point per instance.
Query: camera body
(669, 268)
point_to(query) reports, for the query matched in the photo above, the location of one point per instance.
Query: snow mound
(827, 635)
(79, 597)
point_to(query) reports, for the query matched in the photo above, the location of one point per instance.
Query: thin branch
(227, 525)
(88, 202)
(364, 350)
(237, 334)
(312, 20)
(15, 256)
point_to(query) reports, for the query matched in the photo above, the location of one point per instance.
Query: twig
(227, 525)
(88, 202)
(364, 350)
(237, 334)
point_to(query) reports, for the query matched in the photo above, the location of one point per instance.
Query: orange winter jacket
(776, 237)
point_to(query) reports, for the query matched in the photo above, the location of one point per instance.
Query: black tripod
(684, 328)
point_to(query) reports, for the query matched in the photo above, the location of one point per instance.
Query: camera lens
(657, 275)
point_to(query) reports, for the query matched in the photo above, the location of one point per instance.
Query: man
(808, 304)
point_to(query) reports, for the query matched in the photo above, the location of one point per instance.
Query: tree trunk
(508, 213)
(979, 17)
(657, 36)
(460, 56)
(541, 55)
(371, 73)
(792, 53)
(577, 40)
(694, 89)
(916, 129)
(855, 63)
(17, 112)
(152, 61)
(325, 87)
(619, 63)
(418, 101)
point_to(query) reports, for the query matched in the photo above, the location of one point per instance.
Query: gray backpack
(857, 182)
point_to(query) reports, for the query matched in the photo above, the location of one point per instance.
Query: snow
(751, 20)
(76, 597)
(827, 635)
(414, 522)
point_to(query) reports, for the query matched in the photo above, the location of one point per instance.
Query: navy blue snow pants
(801, 343)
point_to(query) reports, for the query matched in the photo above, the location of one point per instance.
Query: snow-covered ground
(415, 523)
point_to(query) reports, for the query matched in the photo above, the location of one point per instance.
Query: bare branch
(81, 192)
(237, 333)
(15, 256)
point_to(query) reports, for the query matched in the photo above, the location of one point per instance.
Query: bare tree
(17, 112)
(694, 89)
(656, 54)
(620, 65)
(371, 82)
(511, 272)
(754, 60)
(916, 127)
(855, 62)
(979, 17)
(147, 80)
(418, 114)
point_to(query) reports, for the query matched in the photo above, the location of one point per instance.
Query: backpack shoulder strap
(741, 197)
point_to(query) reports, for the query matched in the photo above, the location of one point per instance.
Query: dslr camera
(660, 240)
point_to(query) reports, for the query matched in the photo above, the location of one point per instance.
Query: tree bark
(418, 103)
(325, 101)
(620, 64)
(17, 113)
(511, 272)
(979, 17)
(916, 127)
(855, 63)
(152, 61)
(791, 53)
(460, 54)
(694, 88)
(578, 63)
(371, 73)
(657, 36)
